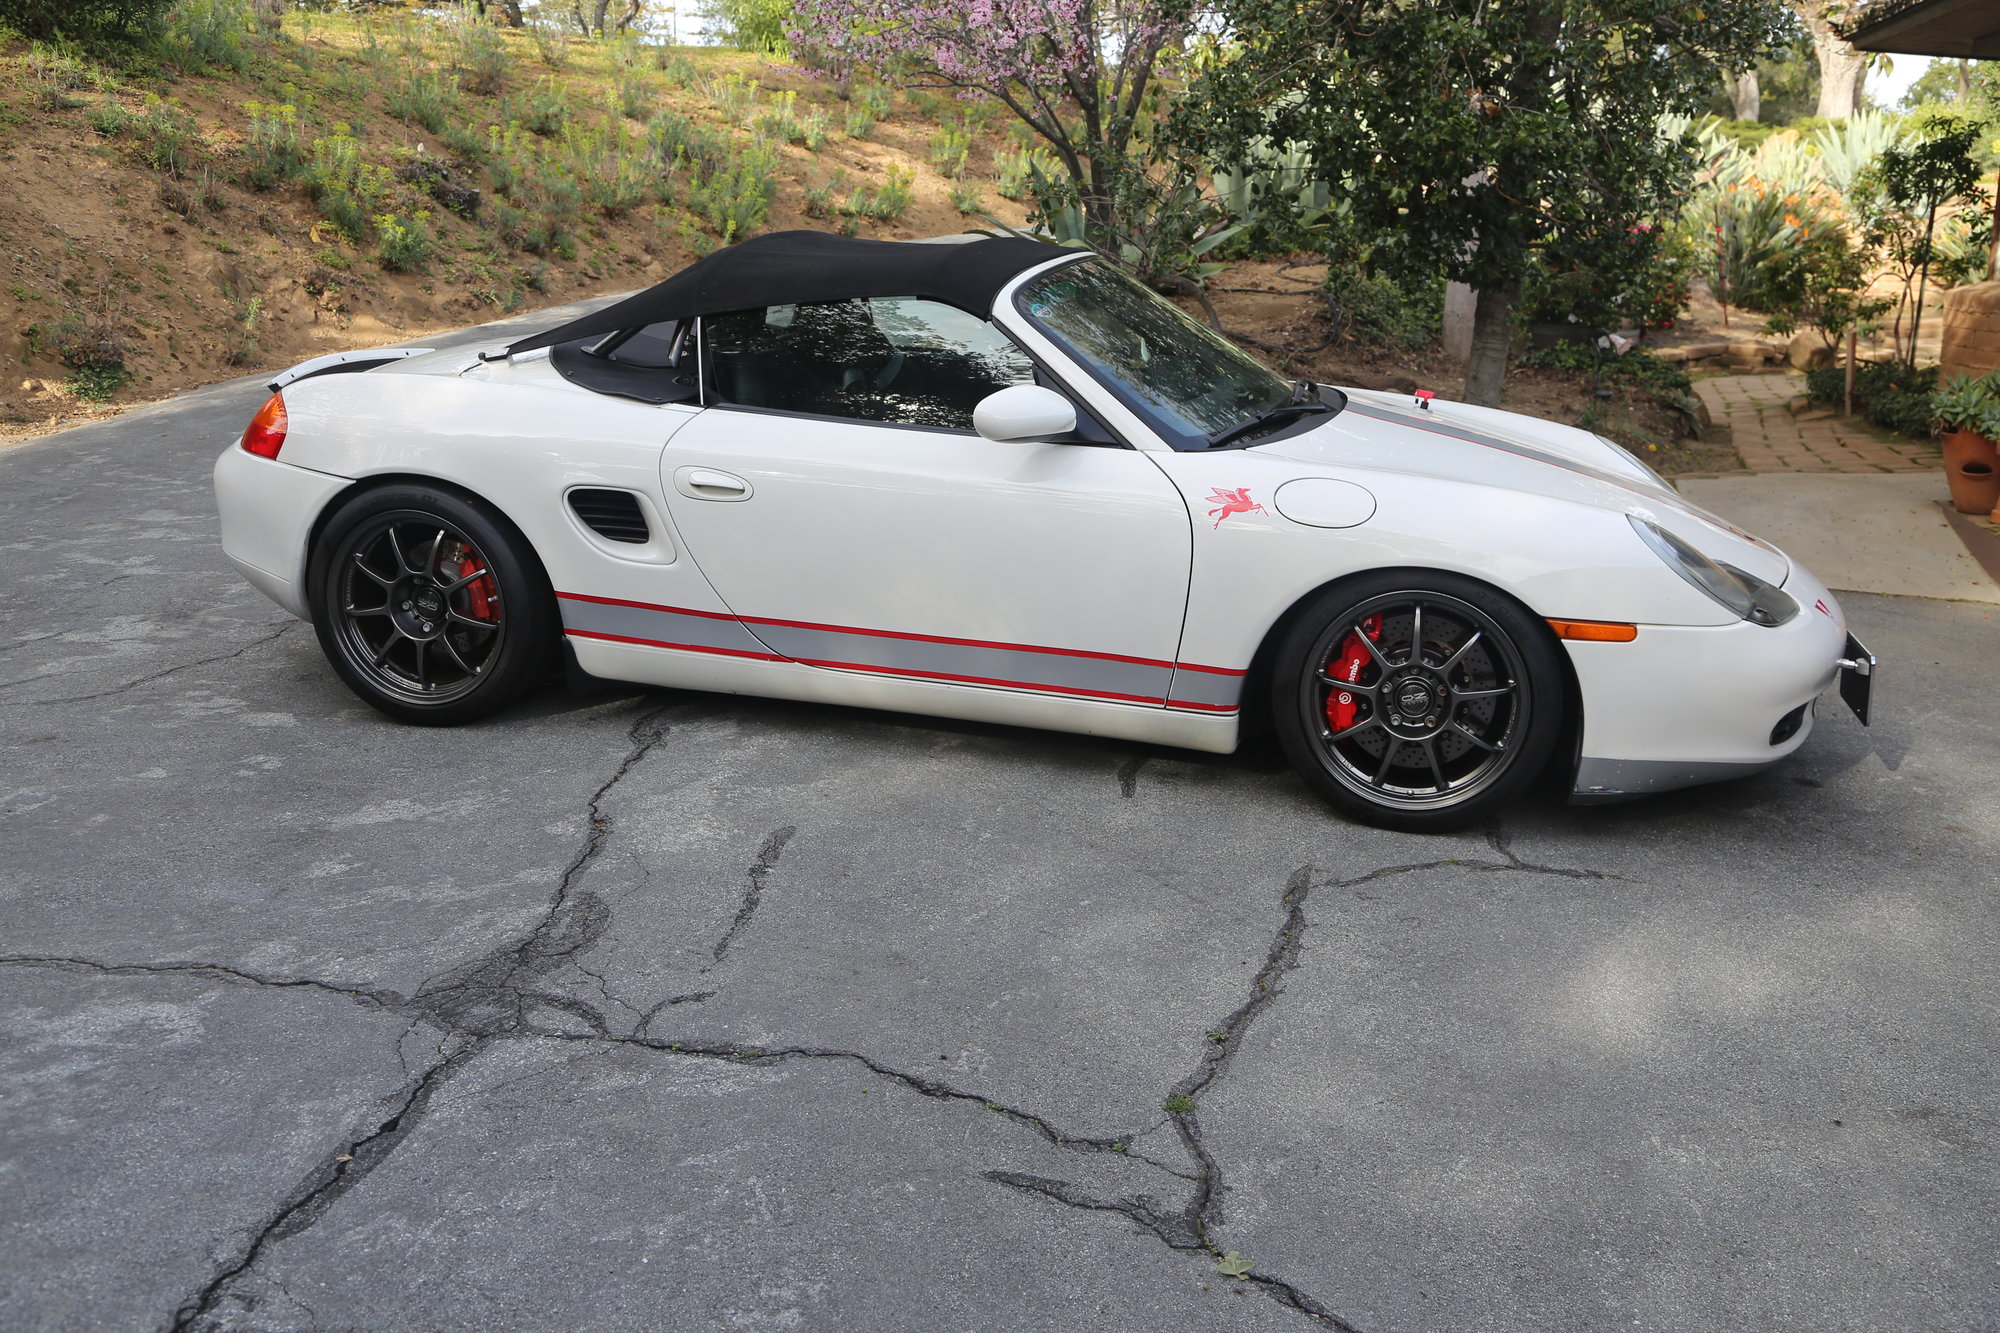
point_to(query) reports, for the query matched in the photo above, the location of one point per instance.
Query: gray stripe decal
(1131, 681)
(1206, 687)
(1062, 673)
(1419, 421)
(661, 626)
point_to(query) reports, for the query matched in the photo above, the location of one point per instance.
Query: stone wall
(1971, 331)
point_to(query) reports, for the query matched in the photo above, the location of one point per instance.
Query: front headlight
(1746, 595)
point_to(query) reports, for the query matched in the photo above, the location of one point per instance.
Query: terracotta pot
(1965, 446)
(1972, 466)
(1975, 488)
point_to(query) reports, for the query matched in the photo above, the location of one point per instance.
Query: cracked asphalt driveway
(673, 1011)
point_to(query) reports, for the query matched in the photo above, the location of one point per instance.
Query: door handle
(705, 483)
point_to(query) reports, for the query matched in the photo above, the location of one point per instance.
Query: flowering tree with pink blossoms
(1076, 72)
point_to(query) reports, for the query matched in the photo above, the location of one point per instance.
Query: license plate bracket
(1857, 678)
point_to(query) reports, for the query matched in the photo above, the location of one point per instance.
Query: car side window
(888, 359)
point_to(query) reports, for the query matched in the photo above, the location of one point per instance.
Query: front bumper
(1682, 705)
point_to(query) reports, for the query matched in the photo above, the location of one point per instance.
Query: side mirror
(1023, 414)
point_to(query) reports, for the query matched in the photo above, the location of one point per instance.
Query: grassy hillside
(243, 199)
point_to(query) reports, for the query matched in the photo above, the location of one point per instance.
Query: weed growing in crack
(1177, 1103)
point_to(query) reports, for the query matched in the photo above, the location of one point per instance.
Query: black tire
(431, 606)
(1424, 744)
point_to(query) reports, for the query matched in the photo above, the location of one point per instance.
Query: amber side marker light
(265, 434)
(1594, 631)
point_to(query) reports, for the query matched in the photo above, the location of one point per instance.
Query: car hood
(1488, 447)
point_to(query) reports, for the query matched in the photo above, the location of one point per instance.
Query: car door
(836, 497)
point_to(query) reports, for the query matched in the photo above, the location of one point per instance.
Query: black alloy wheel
(1419, 701)
(430, 606)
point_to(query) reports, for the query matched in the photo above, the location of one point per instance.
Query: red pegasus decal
(1232, 502)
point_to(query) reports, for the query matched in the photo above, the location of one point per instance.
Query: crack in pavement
(1498, 839)
(381, 999)
(473, 1006)
(334, 1176)
(147, 680)
(489, 997)
(1190, 1228)
(497, 998)
(1128, 775)
(767, 861)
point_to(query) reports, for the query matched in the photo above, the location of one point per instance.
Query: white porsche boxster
(1001, 481)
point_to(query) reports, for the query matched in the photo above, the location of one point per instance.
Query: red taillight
(266, 433)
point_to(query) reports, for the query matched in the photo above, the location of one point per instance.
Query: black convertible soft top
(806, 267)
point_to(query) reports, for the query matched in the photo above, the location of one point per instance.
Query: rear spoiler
(342, 363)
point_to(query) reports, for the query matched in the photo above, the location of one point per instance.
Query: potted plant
(1966, 412)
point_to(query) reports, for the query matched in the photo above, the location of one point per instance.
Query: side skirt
(778, 679)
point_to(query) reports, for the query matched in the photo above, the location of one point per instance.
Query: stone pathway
(1771, 439)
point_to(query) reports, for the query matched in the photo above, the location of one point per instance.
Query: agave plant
(1968, 403)
(1847, 146)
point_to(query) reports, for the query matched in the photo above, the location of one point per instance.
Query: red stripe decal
(1213, 671)
(680, 647)
(1200, 708)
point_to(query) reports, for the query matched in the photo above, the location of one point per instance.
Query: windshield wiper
(1275, 416)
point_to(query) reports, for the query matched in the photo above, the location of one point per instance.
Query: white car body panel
(940, 554)
(1123, 592)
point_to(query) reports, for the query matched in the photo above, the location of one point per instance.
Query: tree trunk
(1746, 99)
(1492, 332)
(1841, 70)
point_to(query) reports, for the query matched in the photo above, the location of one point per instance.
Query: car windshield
(1190, 383)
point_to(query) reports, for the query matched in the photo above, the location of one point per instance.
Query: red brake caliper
(480, 594)
(1341, 705)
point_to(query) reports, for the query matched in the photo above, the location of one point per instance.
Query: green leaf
(1234, 1265)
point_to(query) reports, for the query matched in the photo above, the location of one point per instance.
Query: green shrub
(967, 197)
(734, 95)
(245, 350)
(949, 149)
(96, 384)
(208, 34)
(1383, 312)
(819, 202)
(544, 111)
(92, 24)
(616, 173)
(547, 202)
(166, 134)
(550, 36)
(83, 342)
(424, 98)
(782, 121)
(633, 91)
(1890, 395)
(673, 139)
(478, 56)
(404, 246)
(274, 146)
(1014, 170)
(679, 70)
(734, 196)
(109, 118)
(57, 74)
(349, 191)
(884, 202)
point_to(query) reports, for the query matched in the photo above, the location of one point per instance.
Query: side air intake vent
(613, 515)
